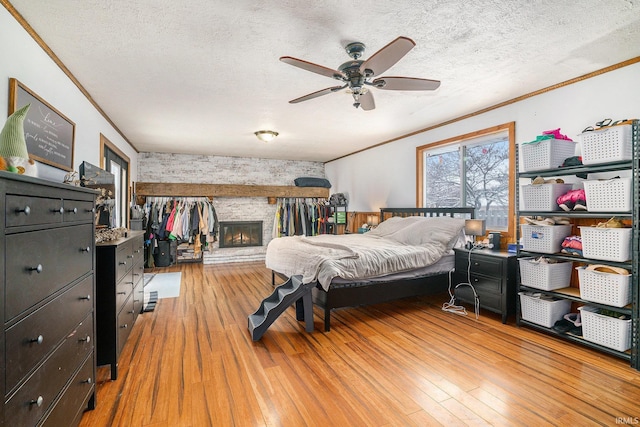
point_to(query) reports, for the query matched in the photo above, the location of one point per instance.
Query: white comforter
(397, 244)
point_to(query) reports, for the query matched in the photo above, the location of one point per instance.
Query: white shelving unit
(572, 292)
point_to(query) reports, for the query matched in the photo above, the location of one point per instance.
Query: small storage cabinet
(119, 294)
(493, 276)
(586, 291)
(47, 355)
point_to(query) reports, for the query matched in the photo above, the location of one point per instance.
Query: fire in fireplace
(237, 234)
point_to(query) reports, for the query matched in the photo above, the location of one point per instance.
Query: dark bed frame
(365, 293)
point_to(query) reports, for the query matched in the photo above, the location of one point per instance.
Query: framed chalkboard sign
(49, 134)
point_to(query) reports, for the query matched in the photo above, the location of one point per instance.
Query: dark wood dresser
(493, 276)
(119, 294)
(47, 355)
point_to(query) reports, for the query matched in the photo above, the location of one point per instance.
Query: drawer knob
(87, 298)
(60, 211)
(137, 251)
(26, 210)
(92, 210)
(132, 311)
(37, 269)
(136, 274)
(125, 326)
(38, 340)
(88, 381)
(73, 211)
(476, 264)
(475, 279)
(87, 249)
(86, 339)
(39, 401)
(129, 256)
(123, 263)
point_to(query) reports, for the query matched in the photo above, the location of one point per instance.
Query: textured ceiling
(201, 76)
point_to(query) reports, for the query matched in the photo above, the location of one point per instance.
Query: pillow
(312, 182)
(443, 231)
(392, 225)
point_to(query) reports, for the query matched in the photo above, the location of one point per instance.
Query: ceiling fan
(357, 74)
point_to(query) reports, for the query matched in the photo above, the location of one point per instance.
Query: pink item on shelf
(573, 200)
(556, 134)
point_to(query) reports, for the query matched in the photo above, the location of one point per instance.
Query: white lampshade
(474, 227)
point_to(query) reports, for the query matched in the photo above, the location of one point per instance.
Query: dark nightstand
(492, 274)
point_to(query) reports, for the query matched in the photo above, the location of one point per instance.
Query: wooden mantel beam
(143, 189)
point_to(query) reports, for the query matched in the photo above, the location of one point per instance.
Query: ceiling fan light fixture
(266, 135)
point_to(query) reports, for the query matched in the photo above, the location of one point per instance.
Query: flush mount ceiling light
(266, 135)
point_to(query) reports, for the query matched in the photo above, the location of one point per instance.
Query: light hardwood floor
(192, 362)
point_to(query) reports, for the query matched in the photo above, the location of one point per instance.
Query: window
(116, 162)
(475, 170)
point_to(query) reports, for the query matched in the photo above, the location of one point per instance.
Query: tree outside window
(471, 171)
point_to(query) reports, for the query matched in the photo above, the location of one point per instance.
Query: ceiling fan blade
(405, 83)
(367, 102)
(314, 68)
(386, 57)
(316, 94)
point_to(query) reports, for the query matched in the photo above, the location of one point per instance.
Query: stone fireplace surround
(189, 168)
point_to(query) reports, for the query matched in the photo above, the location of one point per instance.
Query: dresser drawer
(31, 339)
(488, 300)
(78, 210)
(124, 289)
(138, 272)
(32, 273)
(29, 210)
(66, 411)
(37, 394)
(138, 298)
(125, 323)
(124, 260)
(484, 284)
(138, 250)
(486, 265)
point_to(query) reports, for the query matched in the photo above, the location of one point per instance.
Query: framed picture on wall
(49, 134)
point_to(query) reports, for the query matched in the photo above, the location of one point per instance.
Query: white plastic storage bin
(542, 197)
(545, 154)
(544, 275)
(609, 195)
(544, 312)
(609, 144)
(610, 244)
(605, 330)
(544, 238)
(605, 288)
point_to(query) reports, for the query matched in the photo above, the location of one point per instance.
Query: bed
(352, 291)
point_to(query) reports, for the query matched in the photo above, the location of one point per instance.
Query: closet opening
(236, 234)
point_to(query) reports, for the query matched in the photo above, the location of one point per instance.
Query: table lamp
(472, 228)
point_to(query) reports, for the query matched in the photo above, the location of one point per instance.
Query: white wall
(24, 59)
(386, 175)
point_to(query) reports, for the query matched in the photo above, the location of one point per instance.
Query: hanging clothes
(298, 217)
(187, 220)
